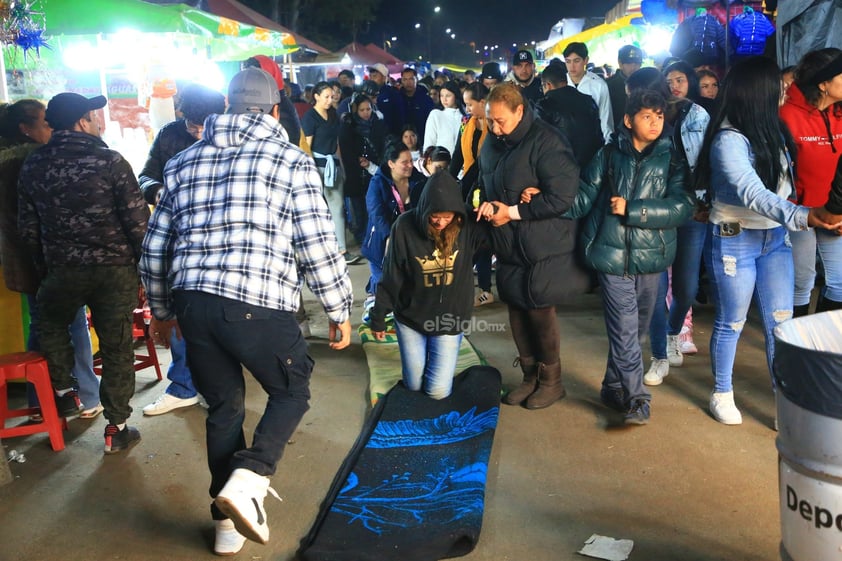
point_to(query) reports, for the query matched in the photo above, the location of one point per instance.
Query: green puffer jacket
(653, 184)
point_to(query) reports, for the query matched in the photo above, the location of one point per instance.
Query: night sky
(483, 21)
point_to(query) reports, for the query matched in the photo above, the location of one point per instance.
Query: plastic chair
(30, 367)
(140, 330)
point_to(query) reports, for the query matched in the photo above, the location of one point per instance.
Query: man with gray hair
(240, 224)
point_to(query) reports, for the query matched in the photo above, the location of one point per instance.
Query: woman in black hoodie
(428, 283)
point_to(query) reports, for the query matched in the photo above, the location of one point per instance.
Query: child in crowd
(428, 282)
(433, 159)
(634, 196)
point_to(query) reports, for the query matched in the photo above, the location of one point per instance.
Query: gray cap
(252, 90)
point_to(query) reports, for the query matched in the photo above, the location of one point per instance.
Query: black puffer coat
(534, 254)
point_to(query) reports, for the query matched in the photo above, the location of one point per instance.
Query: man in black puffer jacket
(197, 102)
(572, 112)
(533, 243)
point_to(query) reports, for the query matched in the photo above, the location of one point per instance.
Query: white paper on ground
(603, 547)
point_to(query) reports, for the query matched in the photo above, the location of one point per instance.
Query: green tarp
(83, 20)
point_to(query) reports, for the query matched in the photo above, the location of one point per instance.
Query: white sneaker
(659, 370)
(723, 408)
(242, 501)
(674, 351)
(483, 298)
(685, 342)
(228, 540)
(166, 403)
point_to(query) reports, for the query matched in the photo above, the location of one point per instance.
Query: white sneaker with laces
(242, 501)
(685, 342)
(228, 540)
(674, 351)
(659, 370)
(166, 403)
(723, 408)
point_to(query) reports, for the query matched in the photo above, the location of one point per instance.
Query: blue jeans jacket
(735, 182)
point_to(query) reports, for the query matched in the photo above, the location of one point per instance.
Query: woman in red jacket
(813, 113)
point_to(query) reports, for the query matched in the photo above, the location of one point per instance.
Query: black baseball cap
(630, 54)
(491, 71)
(66, 108)
(522, 56)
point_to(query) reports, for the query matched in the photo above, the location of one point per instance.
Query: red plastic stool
(32, 368)
(140, 330)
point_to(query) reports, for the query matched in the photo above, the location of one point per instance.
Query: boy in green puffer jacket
(633, 195)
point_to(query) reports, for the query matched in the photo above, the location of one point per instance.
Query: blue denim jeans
(754, 263)
(829, 246)
(87, 382)
(428, 360)
(628, 302)
(685, 285)
(223, 336)
(181, 380)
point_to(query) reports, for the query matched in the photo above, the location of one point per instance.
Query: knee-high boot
(529, 383)
(827, 305)
(550, 388)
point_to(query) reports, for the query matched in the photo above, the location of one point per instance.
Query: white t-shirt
(442, 128)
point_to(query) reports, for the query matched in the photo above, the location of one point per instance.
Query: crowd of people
(635, 184)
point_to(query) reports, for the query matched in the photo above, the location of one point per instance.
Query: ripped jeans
(751, 263)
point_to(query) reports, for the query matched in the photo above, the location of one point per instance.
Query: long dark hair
(394, 149)
(693, 91)
(23, 112)
(808, 67)
(749, 101)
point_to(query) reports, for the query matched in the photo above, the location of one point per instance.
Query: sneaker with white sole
(483, 298)
(228, 540)
(723, 408)
(166, 403)
(674, 351)
(685, 342)
(241, 499)
(659, 370)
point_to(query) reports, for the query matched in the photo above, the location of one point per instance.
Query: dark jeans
(629, 302)
(482, 259)
(110, 291)
(223, 336)
(356, 217)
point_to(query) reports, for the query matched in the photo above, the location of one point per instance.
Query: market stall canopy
(365, 55)
(237, 11)
(604, 40)
(138, 24)
(806, 25)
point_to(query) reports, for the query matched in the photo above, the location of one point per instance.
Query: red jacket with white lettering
(818, 137)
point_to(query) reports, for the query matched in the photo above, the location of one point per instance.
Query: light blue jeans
(685, 285)
(335, 197)
(754, 263)
(181, 380)
(428, 359)
(804, 246)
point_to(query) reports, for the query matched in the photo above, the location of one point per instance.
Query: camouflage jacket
(80, 204)
(18, 265)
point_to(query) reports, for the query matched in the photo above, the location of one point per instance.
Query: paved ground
(683, 488)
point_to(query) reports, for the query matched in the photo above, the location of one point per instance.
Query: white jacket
(442, 128)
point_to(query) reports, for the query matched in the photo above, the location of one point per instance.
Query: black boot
(529, 383)
(800, 311)
(827, 305)
(550, 388)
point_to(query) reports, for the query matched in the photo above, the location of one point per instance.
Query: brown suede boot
(530, 381)
(549, 389)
